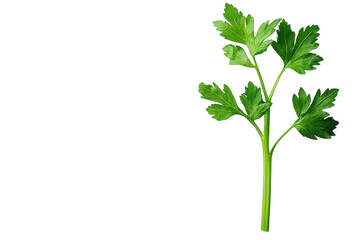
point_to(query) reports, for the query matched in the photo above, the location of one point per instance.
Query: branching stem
(257, 129)
(261, 80)
(276, 82)
(267, 155)
(272, 149)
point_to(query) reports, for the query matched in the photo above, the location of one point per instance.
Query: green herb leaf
(228, 103)
(235, 29)
(240, 29)
(301, 103)
(258, 44)
(237, 56)
(296, 54)
(253, 102)
(313, 121)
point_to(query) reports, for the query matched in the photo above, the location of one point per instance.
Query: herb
(296, 52)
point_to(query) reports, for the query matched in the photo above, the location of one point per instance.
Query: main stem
(265, 213)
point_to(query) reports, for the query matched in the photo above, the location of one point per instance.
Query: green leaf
(240, 29)
(258, 44)
(285, 41)
(253, 103)
(235, 29)
(237, 56)
(301, 103)
(313, 121)
(297, 54)
(306, 62)
(227, 107)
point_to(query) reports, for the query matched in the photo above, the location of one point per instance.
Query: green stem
(261, 80)
(265, 213)
(272, 149)
(257, 129)
(267, 158)
(276, 83)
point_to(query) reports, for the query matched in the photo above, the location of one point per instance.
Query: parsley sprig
(296, 52)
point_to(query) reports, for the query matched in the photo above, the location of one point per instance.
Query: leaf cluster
(296, 54)
(313, 121)
(296, 51)
(240, 29)
(252, 100)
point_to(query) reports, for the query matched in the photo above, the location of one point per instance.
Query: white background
(103, 134)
